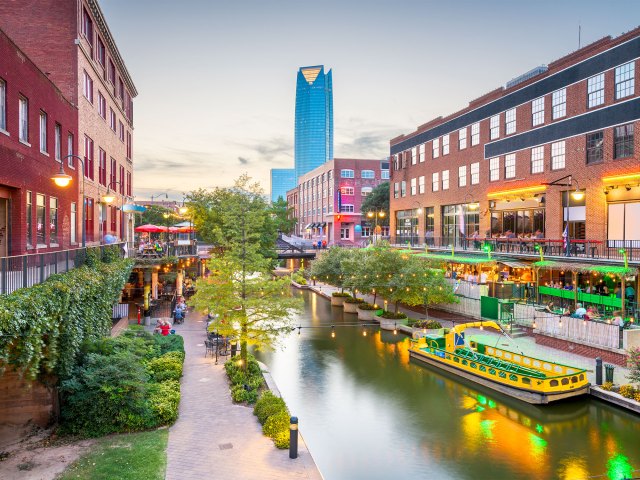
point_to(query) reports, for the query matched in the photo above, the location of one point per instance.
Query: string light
(333, 331)
(395, 329)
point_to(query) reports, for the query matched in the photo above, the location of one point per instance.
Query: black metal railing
(161, 250)
(23, 271)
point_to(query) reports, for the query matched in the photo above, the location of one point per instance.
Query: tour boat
(526, 378)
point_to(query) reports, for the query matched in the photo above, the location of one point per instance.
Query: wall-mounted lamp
(627, 187)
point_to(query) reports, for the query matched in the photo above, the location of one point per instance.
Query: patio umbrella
(186, 229)
(150, 228)
(174, 229)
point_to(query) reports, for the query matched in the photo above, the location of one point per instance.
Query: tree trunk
(243, 348)
(397, 301)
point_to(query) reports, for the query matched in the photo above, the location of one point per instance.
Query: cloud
(243, 160)
(276, 150)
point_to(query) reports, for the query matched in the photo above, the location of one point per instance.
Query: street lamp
(61, 179)
(375, 215)
(166, 195)
(577, 195)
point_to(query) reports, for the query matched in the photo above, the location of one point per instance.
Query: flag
(461, 221)
(565, 237)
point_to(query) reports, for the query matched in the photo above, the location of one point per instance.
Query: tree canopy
(378, 200)
(156, 215)
(283, 216)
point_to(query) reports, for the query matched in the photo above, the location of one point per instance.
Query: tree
(378, 200)
(283, 216)
(633, 362)
(328, 266)
(155, 215)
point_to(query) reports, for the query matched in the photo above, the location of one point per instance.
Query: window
(101, 54)
(494, 169)
(510, 121)
(43, 131)
(112, 119)
(102, 167)
(557, 155)
(462, 176)
(462, 139)
(74, 221)
(475, 173)
(595, 150)
(345, 233)
(436, 148)
(111, 73)
(384, 174)
(396, 190)
(88, 157)
(445, 144)
(421, 151)
(70, 161)
(53, 220)
(421, 184)
(414, 187)
(403, 188)
(121, 132)
(87, 27)
(121, 180)
(445, 180)
(40, 219)
(595, 90)
(475, 134)
(510, 166)
(625, 77)
(346, 190)
(435, 182)
(29, 214)
(623, 226)
(574, 213)
(346, 173)
(364, 191)
(368, 174)
(3, 105)
(89, 216)
(88, 86)
(102, 105)
(623, 141)
(537, 160)
(128, 145)
(537, 111)
(57, 142)
(429, 225)
(23, 119)
(113, 212)
(346, 208)
(520, 222)
(494, 127)
(559, 103)
(414, 155)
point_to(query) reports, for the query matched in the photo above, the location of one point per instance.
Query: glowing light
(504, 193)
(618, 467)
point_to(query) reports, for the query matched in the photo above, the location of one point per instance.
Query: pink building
(327, 200)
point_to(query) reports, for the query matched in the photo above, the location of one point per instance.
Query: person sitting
(165, 328)
(550, 308)
(159, 324)
(592, 313)
(580, 311)
(617, 319)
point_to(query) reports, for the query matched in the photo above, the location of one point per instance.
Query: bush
(340, 294)
(170, 343)
(240, 394)
(353, 300)
(393, 316)
(252, 379)
(276, 423)
(366, 306)
(633, 362)
(268, 404)
(428, 324)
(164, 399)
(166, 367)
(298, 278)
(637, 397)
(608, 386)
(281, 440)
(627, 391)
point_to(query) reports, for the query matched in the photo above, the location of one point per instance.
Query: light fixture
(577, 195)
(61, 179)
(108, 197)
(183, 210)
(628, 187)
(606, 191)
(473, 205)
(333, 331)
(395, 329)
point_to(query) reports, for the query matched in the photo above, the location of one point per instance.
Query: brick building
(488, 168)
(327, 200)
(70, 41)
(38, 126)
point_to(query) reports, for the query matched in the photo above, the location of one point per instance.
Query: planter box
(389, 323)
(367, 315)
(350, 307)
(337, 301)
(421, 332)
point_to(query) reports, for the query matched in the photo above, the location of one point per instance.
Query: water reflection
(367, 411)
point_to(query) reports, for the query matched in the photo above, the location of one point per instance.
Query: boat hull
(536, 398)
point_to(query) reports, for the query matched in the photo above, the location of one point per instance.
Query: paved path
(216, 439)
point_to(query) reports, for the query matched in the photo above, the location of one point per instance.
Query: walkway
(216, 439)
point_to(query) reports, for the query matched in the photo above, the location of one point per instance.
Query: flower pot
(337, 301)
(367, 315)
(350, 307)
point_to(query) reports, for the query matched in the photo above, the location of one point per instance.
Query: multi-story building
(553, 151)
(38, 127)
(282, 179)
(327, 200)
(71, 42)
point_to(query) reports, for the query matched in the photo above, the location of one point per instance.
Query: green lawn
(130, 456)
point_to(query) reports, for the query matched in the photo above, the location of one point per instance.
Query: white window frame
(436, 148)
(403, 188)
(364, 191)
(346, 173)
(510, 121)
(414, 155)
(445, 144)
(74, 222)
(43, 122)
(462, 138)
(475, 134)
(494, 169)
(346, 191)
(494, 127)
(624, 80)
(445, 180)
(537, 160)
(421, 153)
(595, 90)
(559, 103)
(421, 184)
(57, 142)
(414, 186)
(462, 176)
(70, 140)
(344, 208)
(435, 181)
(510, 166)
(23, 119)
(3, 105)
(88, 86)
(537, 111)
(558, 155)
(475, 173)
(384, 174)
(396, 190)
(367, 174)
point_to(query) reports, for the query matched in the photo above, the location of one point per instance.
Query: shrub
(276, 423)
(164, 399)
(393, 316)
(608, 386)
(298, 278)
(170, 343)
(268, 404)
(366, 306)
(281, 440)
(627, 391)
(240, 394)
(252, 378)
(633, 362)
(428, 324)
(340, 294)
(353, 300)
(637, 397)
(166, 367)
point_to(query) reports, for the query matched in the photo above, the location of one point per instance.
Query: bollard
(598, 371)
(293, 438)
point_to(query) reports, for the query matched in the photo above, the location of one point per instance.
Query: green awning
(584, 267)
(457, 259)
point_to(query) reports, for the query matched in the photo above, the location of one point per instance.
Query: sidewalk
(214, 438)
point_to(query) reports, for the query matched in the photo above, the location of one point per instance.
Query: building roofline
(109, 39)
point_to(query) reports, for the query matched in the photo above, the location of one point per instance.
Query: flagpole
(566, 235)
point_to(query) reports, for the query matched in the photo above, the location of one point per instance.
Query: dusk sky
(216, 79)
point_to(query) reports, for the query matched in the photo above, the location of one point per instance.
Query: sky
(216, 79)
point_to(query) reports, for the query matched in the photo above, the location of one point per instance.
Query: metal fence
(23, 271)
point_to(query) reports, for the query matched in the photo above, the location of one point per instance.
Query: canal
(367, 412)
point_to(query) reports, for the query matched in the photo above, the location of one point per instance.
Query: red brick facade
(25, 170)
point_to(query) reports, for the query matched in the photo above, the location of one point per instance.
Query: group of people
(155, 246)
(589, 313)
(180, 312)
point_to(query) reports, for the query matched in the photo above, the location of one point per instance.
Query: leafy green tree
(354, 273)
(283, 216)
(328, 266)
(633, 362)
(378, 200)
(156, 215)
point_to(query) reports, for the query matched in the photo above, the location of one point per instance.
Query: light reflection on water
(367, 412)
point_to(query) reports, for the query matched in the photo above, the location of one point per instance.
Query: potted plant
(390, 320)
(426, 327)
(367, 311)
(351, 304)
(338, 298)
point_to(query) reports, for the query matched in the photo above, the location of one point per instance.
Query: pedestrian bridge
(287, 249)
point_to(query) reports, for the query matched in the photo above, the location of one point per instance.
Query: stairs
(517, 331)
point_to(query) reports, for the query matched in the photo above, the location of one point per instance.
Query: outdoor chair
(209, 348)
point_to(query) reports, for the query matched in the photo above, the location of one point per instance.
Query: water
(367, 412)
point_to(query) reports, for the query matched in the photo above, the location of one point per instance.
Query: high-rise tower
(314, 119)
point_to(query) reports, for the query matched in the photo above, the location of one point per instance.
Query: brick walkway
(215, 439)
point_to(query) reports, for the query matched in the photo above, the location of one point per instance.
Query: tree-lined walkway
(214, 438)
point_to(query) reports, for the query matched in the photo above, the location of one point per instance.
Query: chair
(209, 348)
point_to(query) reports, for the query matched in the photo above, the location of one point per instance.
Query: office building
(282, 180)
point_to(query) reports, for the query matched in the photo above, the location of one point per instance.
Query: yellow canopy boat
(529, 379)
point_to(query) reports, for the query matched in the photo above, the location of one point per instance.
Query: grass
(123, 457)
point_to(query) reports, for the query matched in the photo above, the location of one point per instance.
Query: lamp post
(577, 195)
(166, 195)
(62, 179)
(375, 215)
(109, 197)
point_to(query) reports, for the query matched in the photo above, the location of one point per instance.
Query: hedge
(273, 414)
(244, 386)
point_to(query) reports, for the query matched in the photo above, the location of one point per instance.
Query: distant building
(327, 200)
(282, 180)
(314, 119)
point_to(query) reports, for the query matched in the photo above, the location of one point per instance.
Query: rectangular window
(53, 220)
(128, 145)
(494, 169)
(89, 218)
(57, 142)
(70, 161)
(403, 188)
(414, 187)
(40, 219)
(111, 73)
(436, 148)
(421, 153)
(537, 111)
(595, 90)
(88, 86)
(88, 157)
(435, 182)
(102, 105)
(414, 155)
(557, 155)
(625, 78)
(102, 167)
(121, 180)
(112, 119)
(445, 180)
(368, 174)
(74, 221)
(537, 160)
(494, 127)
(510, 121)
(87, 27)
(384, 174)
(346, 173)
(121, 131)
(3, 105)
(113, 212)
(23, 119)
(475, 173)
(623, 141)
(462, 138)
(559, 103)
(346, 190)
(623, 225)
(445, 144)
(43, 131)
(29, 223)
(101, 53)
(510, 166)
(595, 150)
(396, 190)
(462, 176)
(364, 191)
(475, 134)
(421, 184)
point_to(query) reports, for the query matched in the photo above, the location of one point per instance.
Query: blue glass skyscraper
(314, 119)
(282, 180)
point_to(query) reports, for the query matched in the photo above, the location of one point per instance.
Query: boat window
(526, 380)
(546, 366)
(574, 379)
(513, 378)
(581, 377)
(473, 344)
(553, 383)
(565, 381)
(557, 369)
(517, 358)
(464, 362)
(498, 353)
(473, 365)
(490, 350)
(483, 368)
(537, 364)
(507, 355)
(456, 359)
(502, 375)
(492, 371)
(526, 361)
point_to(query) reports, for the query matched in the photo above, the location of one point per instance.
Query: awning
(585, 267)
(308, 226)
(322, 225)
(514, 263)
(457, 259)
(314, 225)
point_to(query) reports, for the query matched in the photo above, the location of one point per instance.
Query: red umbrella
(150, 228)
(186, 229)
(174, 229)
